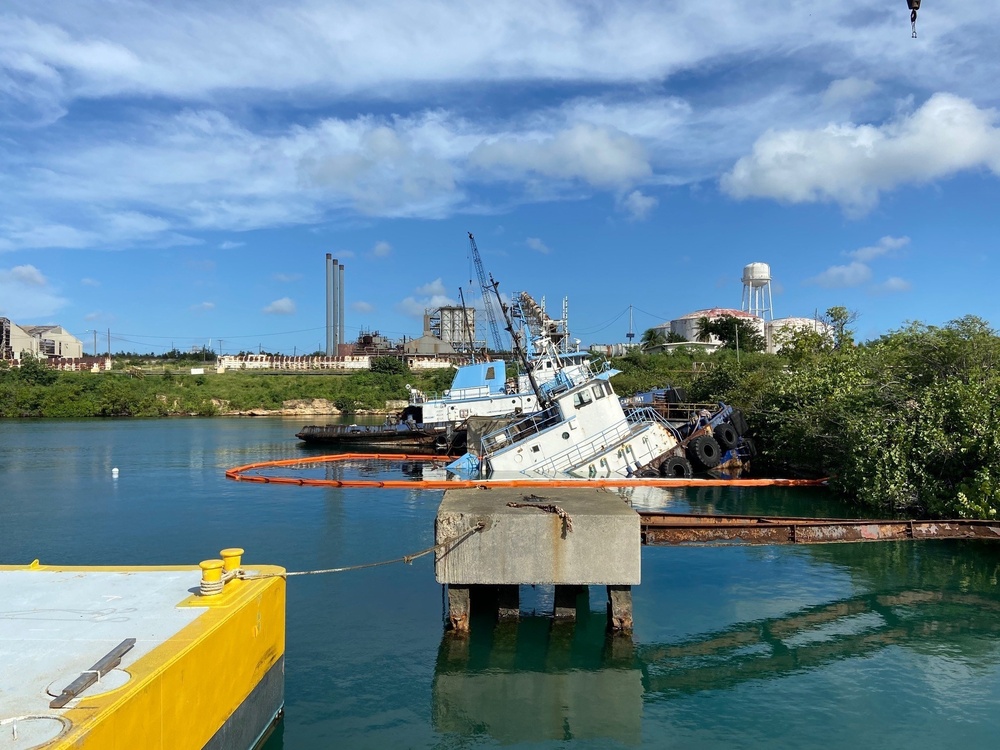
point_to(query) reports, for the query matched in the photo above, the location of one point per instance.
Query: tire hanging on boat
(725, 436)
(704, 452)
(739, 422)
(676, 467)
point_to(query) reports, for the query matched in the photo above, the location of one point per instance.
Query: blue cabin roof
(492, 374)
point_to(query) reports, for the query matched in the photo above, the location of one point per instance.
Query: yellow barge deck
(196, 671)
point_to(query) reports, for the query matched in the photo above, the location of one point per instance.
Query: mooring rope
(567, 519)
(453, 542)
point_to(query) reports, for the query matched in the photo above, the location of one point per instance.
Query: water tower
(757, 285)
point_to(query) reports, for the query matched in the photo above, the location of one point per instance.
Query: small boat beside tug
(478, 389)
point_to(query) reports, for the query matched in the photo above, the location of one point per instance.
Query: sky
(172, 174)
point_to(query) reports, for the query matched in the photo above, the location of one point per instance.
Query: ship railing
(525, 427)
(581, 453)
(647, 414)
(673, 412)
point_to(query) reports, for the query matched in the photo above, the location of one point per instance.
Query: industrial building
(43, 342)
(456, 326)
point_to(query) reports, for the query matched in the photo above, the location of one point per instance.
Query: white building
(38, 341)
(55, 341)
(777, 329)
(689, 326)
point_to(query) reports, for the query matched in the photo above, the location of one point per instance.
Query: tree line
(905, 423)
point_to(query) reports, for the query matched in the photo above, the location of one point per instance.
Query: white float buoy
(114, 472)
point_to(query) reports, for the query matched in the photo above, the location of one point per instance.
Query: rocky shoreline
(305, 407)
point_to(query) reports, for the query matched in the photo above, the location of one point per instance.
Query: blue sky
(175, 172)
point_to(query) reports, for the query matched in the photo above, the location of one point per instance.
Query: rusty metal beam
(681, 528)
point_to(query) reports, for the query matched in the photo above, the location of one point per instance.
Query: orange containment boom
(246, 474)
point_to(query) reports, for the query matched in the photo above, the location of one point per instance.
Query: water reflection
(536, 680)
(810, 638)
(532, 680)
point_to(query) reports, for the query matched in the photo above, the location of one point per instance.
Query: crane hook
(914, 6)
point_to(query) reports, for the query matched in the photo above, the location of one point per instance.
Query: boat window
(598, 391)
(581, 399)
(607, 387)
(490, 373)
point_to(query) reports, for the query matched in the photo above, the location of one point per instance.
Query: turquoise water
(844, 646)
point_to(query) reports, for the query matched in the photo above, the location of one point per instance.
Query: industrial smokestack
(340, 310)
(331, 305)
(329, 291)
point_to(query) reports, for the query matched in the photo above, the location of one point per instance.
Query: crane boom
(487, 290)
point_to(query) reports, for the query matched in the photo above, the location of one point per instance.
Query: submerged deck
(201, 671)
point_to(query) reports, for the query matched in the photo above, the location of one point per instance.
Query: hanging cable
(914, 6)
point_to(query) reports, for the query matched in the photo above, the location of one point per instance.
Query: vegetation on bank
(34, 390)
(906, 423)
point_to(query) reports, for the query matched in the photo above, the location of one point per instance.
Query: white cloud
(853, 164)
(537, 245)
(202, 307)
(231, 245)
(891, 285)
(835, 277)
(27, 275)
(362, 307)
(858, 272)
(26, 296)
(382, 249)
(201, 159)
(638, 206)
(287, 278)
(89, 282)
(434, 288)
(885, 246)
(600, 156)
(848, 90)
(428, 297)
(283, 306)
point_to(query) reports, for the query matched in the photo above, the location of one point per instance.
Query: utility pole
(109, 343)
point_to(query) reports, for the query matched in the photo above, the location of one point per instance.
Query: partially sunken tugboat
(583, 430)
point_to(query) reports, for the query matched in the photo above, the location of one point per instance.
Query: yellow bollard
(211, 577)
(231, 558)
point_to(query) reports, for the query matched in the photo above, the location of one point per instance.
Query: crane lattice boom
(488, 291)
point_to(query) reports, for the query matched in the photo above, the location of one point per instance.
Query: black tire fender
(739, 422)
(676, 467)
(704, 452)
(725, 436)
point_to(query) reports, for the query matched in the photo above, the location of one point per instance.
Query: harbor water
(890, 645)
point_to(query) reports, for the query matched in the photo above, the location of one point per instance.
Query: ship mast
(515, 342)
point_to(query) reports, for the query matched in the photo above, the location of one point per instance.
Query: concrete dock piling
(565, 537)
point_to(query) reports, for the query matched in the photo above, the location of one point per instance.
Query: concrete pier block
(560, 536)
(508, 602)
(564, 606)
(459, 608)
(620, 609)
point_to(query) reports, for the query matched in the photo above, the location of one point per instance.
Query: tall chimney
(340, 312)
(331, 306)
